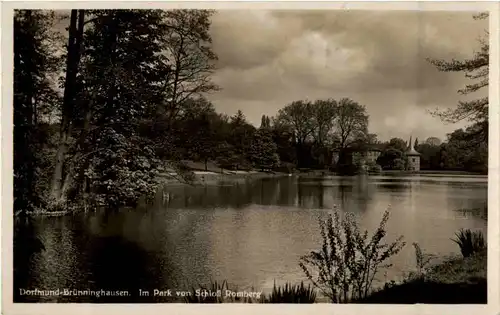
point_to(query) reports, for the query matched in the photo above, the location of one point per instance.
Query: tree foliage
(477, 70)
(352, 122)
(121, 68)
(263, 151)
(392, 159)
(34, 99)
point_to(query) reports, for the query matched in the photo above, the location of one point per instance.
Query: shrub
(373, 167)
(399, 164)
(348, 261)
(291, 294)
(121, 170)
(422, 260)
(470, 242)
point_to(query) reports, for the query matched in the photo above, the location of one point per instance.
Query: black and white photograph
(263, 156)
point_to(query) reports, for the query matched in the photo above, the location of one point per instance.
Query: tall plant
(348, 261)
(470, 242)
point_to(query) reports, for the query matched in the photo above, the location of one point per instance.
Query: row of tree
(126, 91)
(457, 153)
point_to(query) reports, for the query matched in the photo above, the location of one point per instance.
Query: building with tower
(413, 158)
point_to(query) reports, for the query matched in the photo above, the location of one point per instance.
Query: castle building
(413, 158)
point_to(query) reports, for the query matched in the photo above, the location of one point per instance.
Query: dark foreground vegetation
(458, 280)
(344, 269)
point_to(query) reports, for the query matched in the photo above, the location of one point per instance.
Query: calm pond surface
(249, 234)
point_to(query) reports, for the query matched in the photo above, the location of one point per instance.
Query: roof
(412, 152)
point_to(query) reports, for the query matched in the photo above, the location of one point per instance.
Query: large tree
(298, 119)
(351, 122)
(73, 55)
(263, 151)
(476, 69)
(324, 113)
(187, 46)
(240, 138)
(351, 127)
(35, 61)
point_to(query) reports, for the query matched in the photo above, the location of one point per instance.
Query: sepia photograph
(250, 156)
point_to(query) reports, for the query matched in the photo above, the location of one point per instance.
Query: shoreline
(212, 178)
(229, 178)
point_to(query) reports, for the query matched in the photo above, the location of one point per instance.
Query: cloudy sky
(268, 59)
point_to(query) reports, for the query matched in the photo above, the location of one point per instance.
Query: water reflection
(249, 234)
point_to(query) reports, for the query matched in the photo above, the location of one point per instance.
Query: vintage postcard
(339, 155)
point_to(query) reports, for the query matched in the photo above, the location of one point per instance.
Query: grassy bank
(198, 173)
(457, 280)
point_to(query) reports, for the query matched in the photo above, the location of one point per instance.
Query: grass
(218, 290)
(470, 242)
(291, 294)
(457, 280)
(287, 293)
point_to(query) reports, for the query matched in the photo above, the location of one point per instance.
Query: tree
(392, 159)
(351, 127)
(324, 113)
(298, 119)
(352, 122)
(265, 122)
(433, 141)
(298, 116)
(398, 144)
(263, 151)
(240, 137)
(371, 138)
(35, 61)
(282, 136)
(75, 39)
(119, 89)
(200, 136)
(430, 157)
(187, 46)
(459, 154)
(477, 69)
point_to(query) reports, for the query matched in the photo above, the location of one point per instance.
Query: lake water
(249, 234)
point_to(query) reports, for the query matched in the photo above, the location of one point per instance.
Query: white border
(76, 309)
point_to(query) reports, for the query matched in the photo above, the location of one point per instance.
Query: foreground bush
(470, 242)
(348, 261)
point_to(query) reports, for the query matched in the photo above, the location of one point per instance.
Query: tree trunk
(72, 61)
